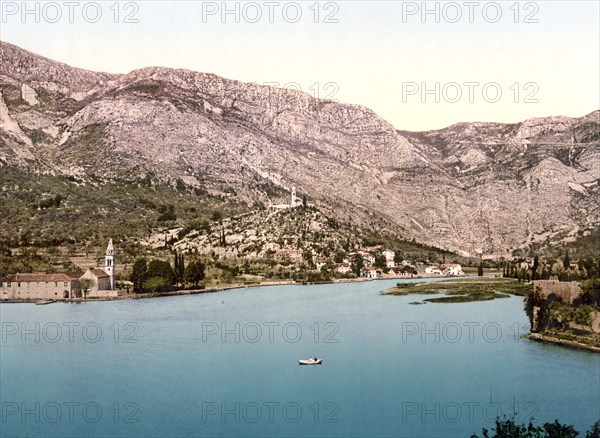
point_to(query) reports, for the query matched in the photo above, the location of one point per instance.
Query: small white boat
(310, 361)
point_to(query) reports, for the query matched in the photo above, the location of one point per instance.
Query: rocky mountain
(470, 187)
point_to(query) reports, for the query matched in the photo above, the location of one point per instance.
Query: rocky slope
(469, 187)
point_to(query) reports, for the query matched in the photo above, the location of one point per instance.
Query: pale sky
(543, 57)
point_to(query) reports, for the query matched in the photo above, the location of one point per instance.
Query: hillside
(470, 187)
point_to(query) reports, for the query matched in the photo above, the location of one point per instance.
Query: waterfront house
(369, 272)
(452, 269)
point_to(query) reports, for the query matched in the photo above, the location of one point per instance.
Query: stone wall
(566, 290)
(596, 321)
(105, 294)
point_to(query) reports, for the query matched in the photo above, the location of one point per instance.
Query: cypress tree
(181, 266)
(567, 260)
(176, 265)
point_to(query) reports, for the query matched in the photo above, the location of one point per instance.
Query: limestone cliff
(469, 187)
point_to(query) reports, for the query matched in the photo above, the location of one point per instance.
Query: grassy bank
(463, 290)
(582, 341)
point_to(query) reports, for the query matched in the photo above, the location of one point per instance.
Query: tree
(304, 200)
(162, 269)
(357, 264)
(179, 267)
(339, 256)
(480, 269)
(533, 299)
(380, 261)
(507, 428)
(398, 257)
(156, 284)
(594, 432)
(559, 430)
(536, 264)
(567, 260)
(194, 273)
(85, 285)
(590, 293)
(307, 255)
(223, 240)
(167, 213)
(139, 274)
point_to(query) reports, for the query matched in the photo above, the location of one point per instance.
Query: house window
(19, 284)
(66, 283)
(8, 284)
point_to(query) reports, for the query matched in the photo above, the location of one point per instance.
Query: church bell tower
(109, 263)
(293, 204)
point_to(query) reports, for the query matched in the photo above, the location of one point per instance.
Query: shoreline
(538, 337)
(224, 287)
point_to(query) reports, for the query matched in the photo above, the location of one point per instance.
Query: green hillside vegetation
(57, 223)
(47, 220)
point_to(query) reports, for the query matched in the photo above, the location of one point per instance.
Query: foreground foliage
(507, 428)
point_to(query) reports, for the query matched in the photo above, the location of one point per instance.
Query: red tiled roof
(44, 277)
(99, 272)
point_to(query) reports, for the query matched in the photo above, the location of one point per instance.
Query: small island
(462, 290)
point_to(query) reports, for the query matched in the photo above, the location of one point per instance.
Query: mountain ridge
(470, 187)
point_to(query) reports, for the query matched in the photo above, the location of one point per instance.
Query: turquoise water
(225, 364)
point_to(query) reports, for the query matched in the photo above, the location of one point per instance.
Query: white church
(103, 280)
(294, 202)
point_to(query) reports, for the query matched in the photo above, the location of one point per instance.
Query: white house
(452, 269)
(368, 259)
(369, 272)
(433, 270)
(526, 264)
(343, 268)
(389, 257)
(319, 263)
(407, 263)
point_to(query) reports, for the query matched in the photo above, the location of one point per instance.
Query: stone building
(40, 285)
(568, 291)
(100, 280)
(64, 285)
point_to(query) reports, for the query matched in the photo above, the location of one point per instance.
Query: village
(290, 242)
(101, 282)
(293, 242)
